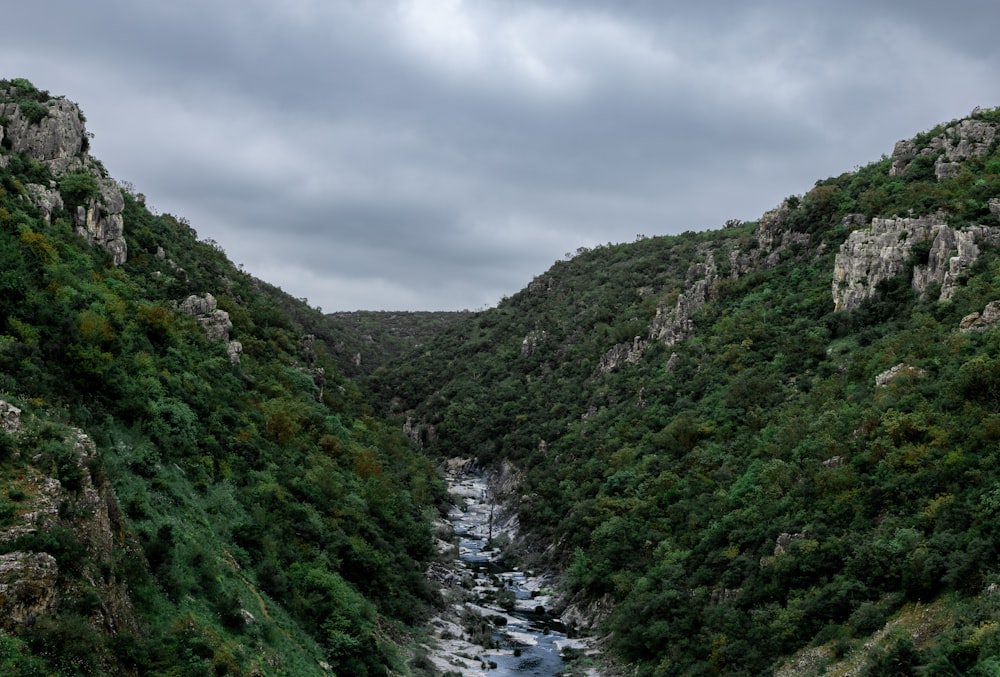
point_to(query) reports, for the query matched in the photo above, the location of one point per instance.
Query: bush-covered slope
(721, 457)
(367, 339)
(263, 521)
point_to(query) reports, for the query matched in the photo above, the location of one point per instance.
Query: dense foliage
(370, 338)
(750, 492)
(278, 524)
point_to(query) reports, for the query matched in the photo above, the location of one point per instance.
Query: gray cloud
(437, 154)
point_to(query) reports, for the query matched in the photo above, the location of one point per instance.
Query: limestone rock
(994, 205)
(29, 582)
(673, 320)
(48, 200)
(198, 305)
(234, 349)
(774, 236)
(59, 141)
(884, 250)
(531, 342)
(10, 418)
(901, 369)
(421, 433)
(100, 220)
(960, 141)
(674, 324)
(213, 321)
(784, 540)
(620, 355)
(946, 170)
(27, 587)
(981, 321)
(54, 140)
(902, 155)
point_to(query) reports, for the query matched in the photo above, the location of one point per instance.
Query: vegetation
(748, 492)
(739, 497)
(373, 338)
(274, 524)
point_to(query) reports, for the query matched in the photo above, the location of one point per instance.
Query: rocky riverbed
(498, 620)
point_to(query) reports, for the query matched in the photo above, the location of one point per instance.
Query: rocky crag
(76, 508)
(51, 131)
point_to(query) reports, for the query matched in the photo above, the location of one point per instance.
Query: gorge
(763, 449)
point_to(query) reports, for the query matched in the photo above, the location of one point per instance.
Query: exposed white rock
(58, 141)
(531, 341)
(100, 220)
(674, 324)
(884, 250)
(965, 139)
(27, 586)
(901, 369)
(214, 322)
(981, 321)
(54, 140)
(47, 199)
(10, 418)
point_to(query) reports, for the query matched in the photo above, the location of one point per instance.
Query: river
(498, 622)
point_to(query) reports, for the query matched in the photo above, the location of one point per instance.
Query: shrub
(78, 187)
(34, 111)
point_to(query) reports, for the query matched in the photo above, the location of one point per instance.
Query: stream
(499, 623)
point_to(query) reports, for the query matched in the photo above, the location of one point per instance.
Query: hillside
(765, 449)
(188, 483)
(371, 338)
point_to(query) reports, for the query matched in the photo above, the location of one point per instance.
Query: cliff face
(51, 131)
(958, 141)
(63, 537)
(935, 252)
(929, 248)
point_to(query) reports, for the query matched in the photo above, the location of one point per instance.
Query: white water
(528, 643)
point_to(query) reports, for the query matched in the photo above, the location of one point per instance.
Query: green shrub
(34, 111)
(77, 188)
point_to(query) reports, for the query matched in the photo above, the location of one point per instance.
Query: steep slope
(764, 445)
(370, 338)
(188, 485)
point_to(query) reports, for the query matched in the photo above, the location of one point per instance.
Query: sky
(439, 154)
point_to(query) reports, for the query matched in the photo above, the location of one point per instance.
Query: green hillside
(367, 339)
(766, 449)
(188, 485)
(771, 447)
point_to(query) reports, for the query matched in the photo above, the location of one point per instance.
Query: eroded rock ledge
(59, 140)
(887, 248)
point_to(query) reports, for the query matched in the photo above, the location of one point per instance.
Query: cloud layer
(437, 154)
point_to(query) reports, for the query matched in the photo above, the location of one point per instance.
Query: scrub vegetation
(279, 525)
(749, 492)
(742, 501)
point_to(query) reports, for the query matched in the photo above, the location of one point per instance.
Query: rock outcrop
(47, 199)
(34, 582)
(981, 321)
(99, 220)
(888, 248)
(960, 141)
(55, 139)
(10, 418)
(902, 369)
(622, 354)
(52, 131)
(27, 586)
(674, 320)
(675, 323)
(214, 322)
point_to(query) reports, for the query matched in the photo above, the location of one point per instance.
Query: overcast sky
(438, 154)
